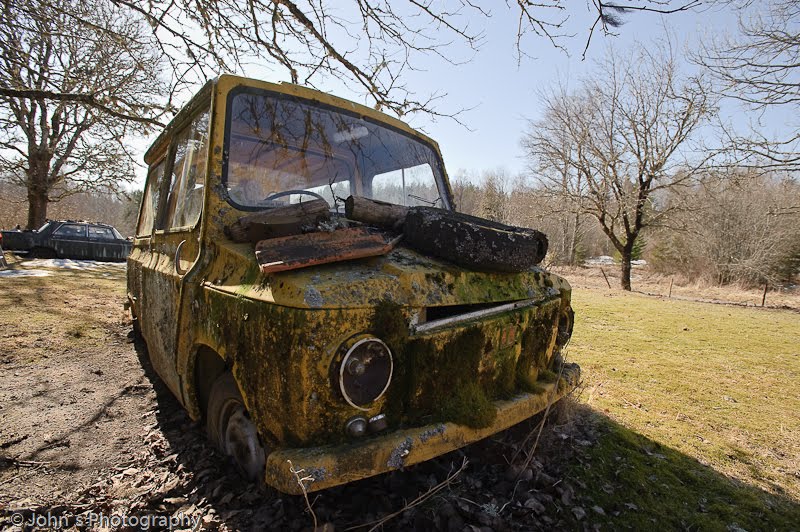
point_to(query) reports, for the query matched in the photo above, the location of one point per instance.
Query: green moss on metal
(433, 383)
(529, 384)
(446, 381)
(468, 405)
(388, 321)
(546, 375)
(505, 376)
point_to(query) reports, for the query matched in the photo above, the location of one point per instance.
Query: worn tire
(230, 429)
(473, 242)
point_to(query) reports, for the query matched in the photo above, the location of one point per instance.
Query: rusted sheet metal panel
(333, 465)
(323, 247)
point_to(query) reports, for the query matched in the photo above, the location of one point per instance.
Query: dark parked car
(69, 240)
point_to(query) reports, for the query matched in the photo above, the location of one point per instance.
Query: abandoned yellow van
(292, 280)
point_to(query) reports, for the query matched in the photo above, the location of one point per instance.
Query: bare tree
(369, 44)
(611, 146)
(78, 75)
(740, 227)
(55, 146)
(564, 189)
(467, 194)
(494, 199)
(759, 67)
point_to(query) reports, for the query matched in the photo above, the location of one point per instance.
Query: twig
(301, 482)
(419, 500)
(28, 462)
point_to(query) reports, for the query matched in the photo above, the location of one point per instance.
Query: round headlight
(365, 372)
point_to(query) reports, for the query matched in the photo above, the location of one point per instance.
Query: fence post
(606, 278)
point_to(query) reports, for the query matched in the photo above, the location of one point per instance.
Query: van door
(174, 247)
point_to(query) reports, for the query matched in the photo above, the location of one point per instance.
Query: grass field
(699, 409)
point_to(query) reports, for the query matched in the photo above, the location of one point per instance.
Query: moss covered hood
(403, 277)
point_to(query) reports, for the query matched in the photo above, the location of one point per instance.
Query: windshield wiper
(423, 200)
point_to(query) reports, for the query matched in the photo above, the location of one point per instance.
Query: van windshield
(281, 149)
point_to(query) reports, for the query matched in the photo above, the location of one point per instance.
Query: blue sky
(502, 93)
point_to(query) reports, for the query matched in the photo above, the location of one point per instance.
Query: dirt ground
(88, 433)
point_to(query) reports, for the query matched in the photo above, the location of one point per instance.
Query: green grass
(699, 409)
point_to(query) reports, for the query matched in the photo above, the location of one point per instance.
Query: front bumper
(333, 465)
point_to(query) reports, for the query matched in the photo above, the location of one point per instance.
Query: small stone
(579, 513)
(533, 504)
(543, 480)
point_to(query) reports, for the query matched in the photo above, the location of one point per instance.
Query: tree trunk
(279, 221)
(573, 247)
(566, 245)
(627, 253)
(38, 189)
(37, 208)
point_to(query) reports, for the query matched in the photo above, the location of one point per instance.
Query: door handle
(178, 269)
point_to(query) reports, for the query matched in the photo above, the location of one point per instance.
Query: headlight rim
(343, 366)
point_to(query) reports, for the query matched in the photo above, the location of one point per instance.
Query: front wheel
(232, 431)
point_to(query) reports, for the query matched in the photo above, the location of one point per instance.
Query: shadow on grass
(639, 483)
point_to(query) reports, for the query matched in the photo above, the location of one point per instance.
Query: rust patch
(300, 251)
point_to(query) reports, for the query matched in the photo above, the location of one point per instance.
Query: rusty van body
(351, 368)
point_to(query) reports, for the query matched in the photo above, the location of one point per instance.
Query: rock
(533, 504)
(543, 480)
(579, 513)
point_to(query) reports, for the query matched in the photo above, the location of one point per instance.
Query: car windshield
(281, 150)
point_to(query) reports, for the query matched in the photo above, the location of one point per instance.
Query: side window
(70, 231)
(407, 186)
(100, 233)
(152, 194)
(188, 174)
